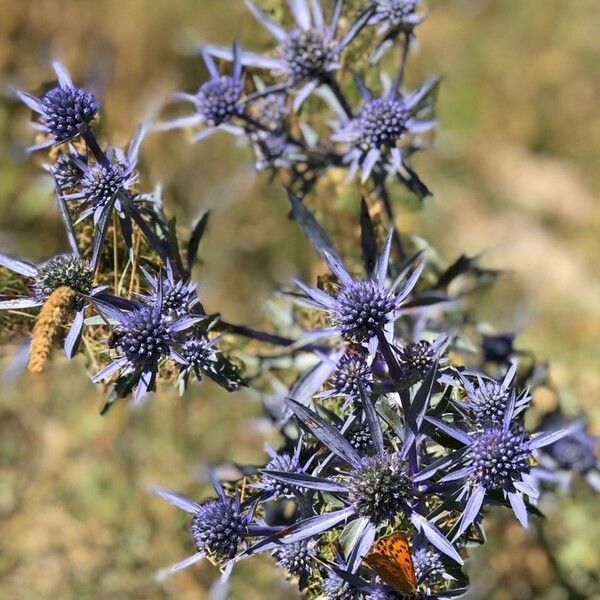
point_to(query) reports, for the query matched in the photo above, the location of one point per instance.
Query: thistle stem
(337, 92)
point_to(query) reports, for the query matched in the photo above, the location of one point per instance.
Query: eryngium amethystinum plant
(385, 431)
(399, 418)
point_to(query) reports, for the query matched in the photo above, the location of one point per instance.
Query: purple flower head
(308, 52)
(296, 559)
(381, 489)
(498, 457)
(63, 270)
(395, 14)
(416, 360)
(216, 102)
(352, 370)
(66, 170)
(338, 588)
(143, 336)
(359, 437)
(220, 526)
(375, 138)
(428, 565)
(282, 462)
(180, 296)
(64, 111)
(361, 309)
(104, 184)
(200, 355)
(489, 399)
(497, 461)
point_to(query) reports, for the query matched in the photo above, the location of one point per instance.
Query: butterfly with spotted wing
(391, 559)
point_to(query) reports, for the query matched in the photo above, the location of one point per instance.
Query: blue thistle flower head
(308, 52)
(108, 183)
(219, 527)
(415, 360)
(296, 558)
(180, 296)
(375, 138)
(70, 270)
(381, 488)
(102, 182)
(64, 111)
(381, 122)
(353, 369)
(361, 309)
(428, 565)
(282, 462)
(360, 439)
(490, 401)
(498, 457)
(382, 591)
(288, 463)
(198, 352)
(395, 13)
(337, 588)
(217, 100)
(144, 336)
(66, 171)
(201, 355)
(64, 270)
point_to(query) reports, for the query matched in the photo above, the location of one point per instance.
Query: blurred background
(515, 176)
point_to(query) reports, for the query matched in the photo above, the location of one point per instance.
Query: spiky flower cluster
(296, 559)
(218, 527)
(67, 269)
(490, 402)
(403, 446)
(381, 488)
(217, 99)
(416, 359)
(499, 457)
(381, 123)
(144, 336)
(65, 110)
(308, 53)
(100, 182)
(351, 372)
(361, 309)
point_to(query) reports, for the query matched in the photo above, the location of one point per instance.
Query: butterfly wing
(392, 561)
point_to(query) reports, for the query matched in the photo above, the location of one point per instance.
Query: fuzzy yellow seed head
(53, 314)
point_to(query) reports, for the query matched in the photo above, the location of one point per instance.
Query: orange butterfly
(390, 558)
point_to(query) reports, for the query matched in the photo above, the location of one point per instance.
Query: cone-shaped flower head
(64, 110)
